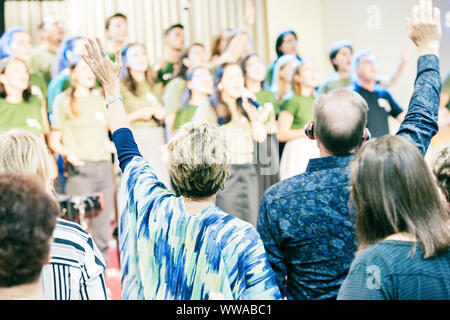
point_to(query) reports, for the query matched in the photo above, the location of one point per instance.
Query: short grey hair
(199, 161)
(339, 120)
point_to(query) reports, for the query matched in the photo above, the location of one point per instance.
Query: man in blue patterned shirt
(305, 221)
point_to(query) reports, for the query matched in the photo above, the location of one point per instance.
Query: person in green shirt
(286, 43)
(19, 108)
(341, 55)
(266, 152)
(173, 48)
(52, 33)
(142, 103)
(68, 51)
(116, 32)
(80, 135)
(295, 114)
(199, 87)
(194, 56)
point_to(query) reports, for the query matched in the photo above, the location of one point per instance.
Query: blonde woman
(179, 247)
(76, 267)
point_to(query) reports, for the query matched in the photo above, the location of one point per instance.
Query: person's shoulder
(286, 188)
(69, 225)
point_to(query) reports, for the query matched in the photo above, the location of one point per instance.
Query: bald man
(305, 221)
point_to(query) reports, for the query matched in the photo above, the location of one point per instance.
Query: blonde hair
(199, 161)
(23, 152)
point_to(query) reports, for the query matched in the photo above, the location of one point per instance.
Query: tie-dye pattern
(167, 254)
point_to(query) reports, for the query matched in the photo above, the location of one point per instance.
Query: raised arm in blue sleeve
(420, 124)
(126, 147)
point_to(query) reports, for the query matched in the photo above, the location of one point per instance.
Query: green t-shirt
(145, 97)
(173, 94)
(184, 115)
(446, 88)
(26, 115)
(301, 108)
(269, 75)
(37, 80)
(41, 61)
(238, 132)
(166, 73)
(264, 97)
(86, 135)
(333, 82)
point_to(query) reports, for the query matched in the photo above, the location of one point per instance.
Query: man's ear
(309, 130)
(366, 136)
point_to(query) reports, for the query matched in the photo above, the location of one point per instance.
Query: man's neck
(368, 85)
(52, 47)
(253, 85)
(113, 45)
(172, 55)
(31, 291)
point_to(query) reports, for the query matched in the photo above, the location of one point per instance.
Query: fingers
(94, 50)
(118, 55)
(414, 15)
(437, 16)
(100, 46)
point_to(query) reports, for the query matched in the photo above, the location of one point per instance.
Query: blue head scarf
(6, 39)
(66, 55)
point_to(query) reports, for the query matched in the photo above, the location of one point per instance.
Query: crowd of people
(223, 177)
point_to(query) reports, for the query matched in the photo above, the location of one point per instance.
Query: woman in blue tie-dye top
(179, 247)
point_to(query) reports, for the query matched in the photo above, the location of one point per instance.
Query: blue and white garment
(76, 268)
(168, 254)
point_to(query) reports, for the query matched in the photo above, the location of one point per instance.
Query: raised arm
(420, 123)
(108, 73)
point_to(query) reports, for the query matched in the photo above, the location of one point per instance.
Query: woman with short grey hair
(179, 247)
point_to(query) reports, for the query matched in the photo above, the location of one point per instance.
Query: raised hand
(106, 71)
(424, 27)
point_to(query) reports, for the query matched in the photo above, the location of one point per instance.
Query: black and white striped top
(76, 268)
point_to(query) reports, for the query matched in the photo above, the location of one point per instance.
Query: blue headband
(6, 39)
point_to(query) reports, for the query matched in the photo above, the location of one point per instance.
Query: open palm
(106, 71)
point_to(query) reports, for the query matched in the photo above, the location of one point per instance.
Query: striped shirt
(168, 254)
(76, 267)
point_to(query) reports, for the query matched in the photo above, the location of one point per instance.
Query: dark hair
(394, 191)
(216, 41)
(244, 65)
(27, 219)
(336, 47)
(181, 68)
(116, 15)
(127, 79)
(340, 137)
(26, 95)
(220, 107)
(169, 29)
(280, 40)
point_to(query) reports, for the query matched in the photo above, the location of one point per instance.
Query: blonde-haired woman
(179, 247)
(295, 114)
(76, 268)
